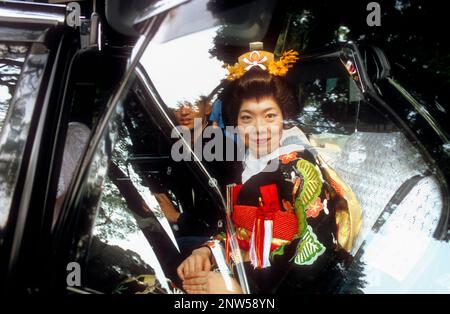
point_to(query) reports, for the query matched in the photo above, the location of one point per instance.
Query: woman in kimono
(290, 211)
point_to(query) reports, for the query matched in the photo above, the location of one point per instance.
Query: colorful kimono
(286, 207)
(290, 216)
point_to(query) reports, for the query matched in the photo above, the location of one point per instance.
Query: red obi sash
(267, 223)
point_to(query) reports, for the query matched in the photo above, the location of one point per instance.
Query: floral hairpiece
(264, 60)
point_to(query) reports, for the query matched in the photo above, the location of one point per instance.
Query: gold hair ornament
(264, 60)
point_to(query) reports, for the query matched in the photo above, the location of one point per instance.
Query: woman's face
(260, 124)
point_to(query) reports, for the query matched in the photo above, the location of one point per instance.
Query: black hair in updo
(257, 84)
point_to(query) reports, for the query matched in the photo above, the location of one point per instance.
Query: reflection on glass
(14, 133)
(399, 254)
(146, 211)
(11, 63)
(182, 69)
(117, 226)
(367, 152)
(329, 96)
(121, 258)
(152, 203)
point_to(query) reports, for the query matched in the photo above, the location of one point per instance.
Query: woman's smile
(261, 141)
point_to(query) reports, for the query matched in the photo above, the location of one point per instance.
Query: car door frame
(69, 231)
(27, 232)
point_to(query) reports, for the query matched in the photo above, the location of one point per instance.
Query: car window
(398, 187)
(19, 91)
(12, 57)
(210, 28)
(330, 97)
(392, 186)
(369, 150)
(375, 158)
(152, 212)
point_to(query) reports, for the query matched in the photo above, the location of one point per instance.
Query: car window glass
(16, 111)
(330, 96)
(367, 149)
(151, 214)
(384, 174)
(172, 55)
(12, 57)
(397, 186)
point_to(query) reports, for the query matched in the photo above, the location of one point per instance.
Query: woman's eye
(245, 118)
(271, 116)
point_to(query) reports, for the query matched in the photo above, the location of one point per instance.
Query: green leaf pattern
(309, 248)
(312, 185)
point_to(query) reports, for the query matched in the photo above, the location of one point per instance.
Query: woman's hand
(198, 261)
(208, 282)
